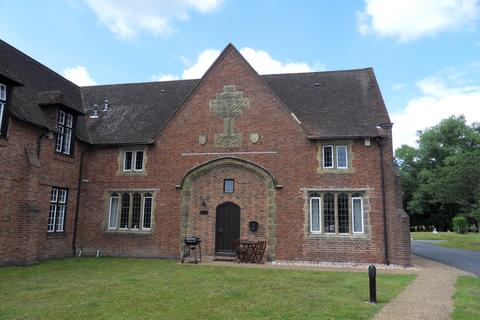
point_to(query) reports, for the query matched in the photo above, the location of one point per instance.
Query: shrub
(460, 224)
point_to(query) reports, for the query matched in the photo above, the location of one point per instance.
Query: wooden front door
(227, 228)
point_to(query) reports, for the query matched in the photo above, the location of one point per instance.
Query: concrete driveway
(462, 259)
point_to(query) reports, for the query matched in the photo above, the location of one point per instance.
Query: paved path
(458, 258)
(428, 297)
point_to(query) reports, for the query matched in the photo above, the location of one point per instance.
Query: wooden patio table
(249, 250)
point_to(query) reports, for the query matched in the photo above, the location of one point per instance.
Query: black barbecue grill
(192, 251)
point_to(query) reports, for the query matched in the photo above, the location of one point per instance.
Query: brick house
(131, 169)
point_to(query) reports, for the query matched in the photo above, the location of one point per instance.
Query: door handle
(220, 230)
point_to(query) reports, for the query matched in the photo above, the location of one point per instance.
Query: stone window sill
(345, 236)
(137, 232)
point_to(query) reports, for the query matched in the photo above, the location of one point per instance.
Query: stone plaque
(229, 105)
(202, 139)
(254, 137)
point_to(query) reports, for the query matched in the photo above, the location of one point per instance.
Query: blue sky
(425, 53)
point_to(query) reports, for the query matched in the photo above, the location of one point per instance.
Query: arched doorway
(227, 228)
(200, 199)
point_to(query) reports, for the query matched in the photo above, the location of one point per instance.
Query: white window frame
(361, 213)
(3, 103)
(323, 156)
(59, 203)
(319, 215)
(134, 161)
(346, 156)
(144, 197)
(110, 210)
(118, 195)
(63, 142)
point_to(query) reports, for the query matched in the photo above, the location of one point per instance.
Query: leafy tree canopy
(441, 177)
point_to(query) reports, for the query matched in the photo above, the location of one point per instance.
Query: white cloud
(407, 20)
(398, 86)
(260, 60)
(127, 18)
(204, 61)
(164, 77)
(79, 75)
(438, 101)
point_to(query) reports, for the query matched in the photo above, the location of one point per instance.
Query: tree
(441, 177)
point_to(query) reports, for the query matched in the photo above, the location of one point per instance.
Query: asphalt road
(458, 258)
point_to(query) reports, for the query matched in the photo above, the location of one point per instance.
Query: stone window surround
(121, 160)
(307, 192)
(119, 191)
(334, 169)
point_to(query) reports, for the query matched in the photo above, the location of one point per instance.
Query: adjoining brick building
(131, 169)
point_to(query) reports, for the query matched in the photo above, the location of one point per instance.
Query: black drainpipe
(77, 206)
(381, 143)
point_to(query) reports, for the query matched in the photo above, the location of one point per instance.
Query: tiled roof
(35, 79)
(332, 104)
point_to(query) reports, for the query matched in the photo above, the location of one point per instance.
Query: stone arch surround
(190, 200)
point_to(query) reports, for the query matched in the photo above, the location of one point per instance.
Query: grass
(466, 299)
(112, 288)
(469, 241)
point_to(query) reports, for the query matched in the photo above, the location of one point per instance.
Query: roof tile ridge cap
(316, 72)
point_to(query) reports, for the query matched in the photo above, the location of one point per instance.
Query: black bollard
(372, 275)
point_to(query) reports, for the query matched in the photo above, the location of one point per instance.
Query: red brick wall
(294, 163)
(25, 193)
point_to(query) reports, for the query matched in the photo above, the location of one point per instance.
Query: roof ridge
(43, 66)
(316, 72)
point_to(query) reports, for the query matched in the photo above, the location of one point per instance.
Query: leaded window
(329, 213)
(130, 211)
(343, 218)
(133, 160)
(57, 210)
(335, 212)
(328, 156)
(65, 135)
(335, 157)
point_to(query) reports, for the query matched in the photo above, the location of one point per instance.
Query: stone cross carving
(229, 105)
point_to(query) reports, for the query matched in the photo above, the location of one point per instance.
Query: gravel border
(343, 265)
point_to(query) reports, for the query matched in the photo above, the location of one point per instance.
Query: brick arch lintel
(250, 167)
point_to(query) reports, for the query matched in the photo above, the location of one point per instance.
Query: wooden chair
(239, 251)
(260, 251)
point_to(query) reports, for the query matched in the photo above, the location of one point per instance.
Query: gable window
(228, 185)
(328, 156)
(65, 135)
(130, 211)
(336, 213)
(3, 109)
(133, 160)
(335, 157)
(57, 209)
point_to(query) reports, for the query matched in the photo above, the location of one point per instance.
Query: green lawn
(467, 299)
(111, 288)
(470, 241)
